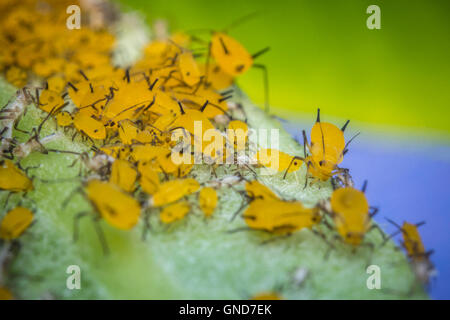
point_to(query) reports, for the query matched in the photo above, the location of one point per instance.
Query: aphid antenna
(318, 115)
(127, 75)
(204, 106)
(70, 85)
(240, 21)
(153, 84)
(227, 92)
(83, 74)
(349, 141)
(181, 107)
(225, 98)
(290, 164)
(364, 186)
(260, 52)
(345, 125)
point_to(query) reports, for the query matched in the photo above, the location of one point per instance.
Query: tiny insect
(327, 149)
(208, 200)
(352, 215)
(175, 211)
(280, 217)
(419, 258)
(269, 295)
(237, 133)
(123, 174)
(13, 179)
(279, 161)
(174, 190)
(89, 126)
(235, 60)
(15, 222)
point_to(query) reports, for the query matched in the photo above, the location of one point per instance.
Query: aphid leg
(266, 85)
(7, 199)
(275, 238)
(374, 211)
(240, 229)
(72, 193)
(324, 238)
(244, 203)
(101, 235)
(76, 224)
(147, 226)
(18, 129)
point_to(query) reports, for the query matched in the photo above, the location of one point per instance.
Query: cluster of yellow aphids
(130, 115)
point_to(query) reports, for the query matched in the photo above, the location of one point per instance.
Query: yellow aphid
(267, 296)
(327, 149)
(216, 77)
(230, 55)
(256, 190)
(115, 206)
(173, 190)
(15, 223)
(89, 126)
(149, 179)
(147, 152)
(16, 76)
(86, 95)
(50, 100)
(5, 294)
(130, 101)
(56, 84)
(412, 241)
(327, 142)
(128, 131)
(174, 212)
(123, 174)
(64, 119)
(180, 38)
(237, 134)
(118, 151)
(208, 200)
(278, 160)
(350, 214)
(188, 68)
(189, 119)
(13, 179)
(280, 217)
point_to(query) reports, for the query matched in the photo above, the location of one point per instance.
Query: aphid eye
(239, 67)
(295, 163)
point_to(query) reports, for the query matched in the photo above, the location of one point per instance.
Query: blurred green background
(323, 55)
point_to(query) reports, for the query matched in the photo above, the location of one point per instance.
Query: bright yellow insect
(174, 190)
(174, 212)
(237, 133)
(188, 68)
(13, 179)
(123, 174)
(90, 126)
(280, 217)
(350, 214)
(278, 160)
(15, 223)
(208, 200)
(115, 206)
